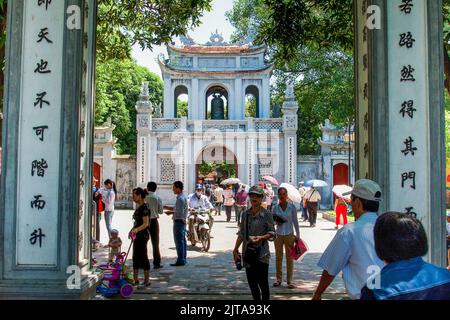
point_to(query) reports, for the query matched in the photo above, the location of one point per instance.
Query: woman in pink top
(229, 201)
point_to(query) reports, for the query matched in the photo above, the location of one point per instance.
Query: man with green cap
(255, 231)
(352, 250)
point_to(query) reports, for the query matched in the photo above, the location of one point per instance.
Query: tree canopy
(319, 63)
(118, 87)
(124, 23)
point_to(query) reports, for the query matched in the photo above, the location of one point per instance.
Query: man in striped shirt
(352, 250)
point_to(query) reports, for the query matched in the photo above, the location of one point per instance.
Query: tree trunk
(447, 68)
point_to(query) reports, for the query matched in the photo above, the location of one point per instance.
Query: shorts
(448, 244)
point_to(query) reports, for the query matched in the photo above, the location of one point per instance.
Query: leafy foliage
(123, 23)
(317, 60)
(222, 169)
(118, 87)
(182, 108)
(250, 107)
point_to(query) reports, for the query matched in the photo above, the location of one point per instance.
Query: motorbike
(200, 224)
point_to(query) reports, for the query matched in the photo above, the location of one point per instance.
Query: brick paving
(213, 275)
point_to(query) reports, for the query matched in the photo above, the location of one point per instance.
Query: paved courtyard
(213, 275)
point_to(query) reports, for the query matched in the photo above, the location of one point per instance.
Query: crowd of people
(380, 255)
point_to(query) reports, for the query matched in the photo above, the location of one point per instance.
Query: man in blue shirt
(401, 241)
(352, 250)
(179, 212)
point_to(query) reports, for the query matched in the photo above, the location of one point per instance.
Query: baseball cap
(448, 213)
(115, 231)
(256, 190)
(366, 189)
(198, 186)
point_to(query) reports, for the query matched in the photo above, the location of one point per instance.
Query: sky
(215, 19)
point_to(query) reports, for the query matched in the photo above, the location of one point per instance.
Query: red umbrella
(271, 179)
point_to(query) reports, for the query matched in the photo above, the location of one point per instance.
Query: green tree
(123, 23)
(182, 108)
(318, 62)
(250, 106)
(118, 87)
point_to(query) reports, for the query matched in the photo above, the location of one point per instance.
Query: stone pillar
(239, 107)
(169, 108)
(47, 156)
(252, 159)
(194, 100)
(290, 126)
(265, 99)
(406, 148)
(144, 143)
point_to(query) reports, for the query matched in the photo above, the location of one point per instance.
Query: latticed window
(167, 170)
(265, 167)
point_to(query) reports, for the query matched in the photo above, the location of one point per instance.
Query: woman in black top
(141, 219)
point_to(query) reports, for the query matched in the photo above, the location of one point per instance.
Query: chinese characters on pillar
(404, 26)
(41, 101)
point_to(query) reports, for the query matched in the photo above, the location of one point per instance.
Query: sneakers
(177, 264)
(158, 267)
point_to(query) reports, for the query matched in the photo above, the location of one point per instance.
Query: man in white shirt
(311, 202)
(198, 199)
(155, 205)
(218, 196)
(352, 250)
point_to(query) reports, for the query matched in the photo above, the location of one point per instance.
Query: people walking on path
(218, 198)
(241, 203)
(140, 230)
(228, 201)
(255, 232)
(155, 206)
(310, 201)
(179, 212)
(109, 197)
(302, 190)
(352, 249)
(286, 221)
(340, 208)
(401, 242)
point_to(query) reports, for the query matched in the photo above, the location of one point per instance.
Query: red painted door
(340, 175)
(97, 170)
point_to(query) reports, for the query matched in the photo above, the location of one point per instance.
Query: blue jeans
(108, 220)
(179, 235)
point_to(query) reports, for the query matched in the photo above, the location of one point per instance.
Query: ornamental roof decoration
(144, 99)
(186, 40)
(216, 40)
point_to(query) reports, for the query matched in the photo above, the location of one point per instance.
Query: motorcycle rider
(199, 200)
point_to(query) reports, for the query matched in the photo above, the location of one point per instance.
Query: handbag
(278, 219)
(251, 254)
(298, 250)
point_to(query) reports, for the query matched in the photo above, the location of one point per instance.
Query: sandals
(277, 284)
(291, 286)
